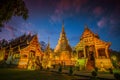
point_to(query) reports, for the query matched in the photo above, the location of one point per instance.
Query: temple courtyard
(18, 74)
(51, 74)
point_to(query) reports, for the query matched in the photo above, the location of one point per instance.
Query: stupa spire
(62, 42)
(48, 42)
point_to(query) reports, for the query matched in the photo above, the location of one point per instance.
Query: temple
(62, 51)
(92, 52)
(24, 52)
(48, 57)
(89, 53)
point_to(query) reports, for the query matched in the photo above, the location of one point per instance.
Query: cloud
(102, 22)
(61, 7)
(11, 30)
(65, 8)
(98, 11)
(77, 4)
(115, 21)
(27, 28)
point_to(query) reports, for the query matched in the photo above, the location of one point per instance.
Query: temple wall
(103, 63)
(24, 59)
(81, 63)
(2, 54)
(23, 63)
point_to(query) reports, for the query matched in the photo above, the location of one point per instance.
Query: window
(80, 54)
(24, 56)
(16, 56)
(101, 53)
(32, 54)
(86, 50)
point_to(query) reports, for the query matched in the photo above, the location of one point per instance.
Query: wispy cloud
(101, 23)
(98, 11)
(11, 30)
(63, 8)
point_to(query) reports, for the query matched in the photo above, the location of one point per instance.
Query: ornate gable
(88, 33)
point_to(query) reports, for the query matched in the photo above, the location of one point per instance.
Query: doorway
(90, 58)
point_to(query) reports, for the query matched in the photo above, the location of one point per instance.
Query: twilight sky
(46, 16)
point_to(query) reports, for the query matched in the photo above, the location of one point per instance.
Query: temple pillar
(84, 52)
(77, 54)
(96, 52)
(106, 51)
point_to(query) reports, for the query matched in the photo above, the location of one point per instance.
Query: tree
(3, 43)
(43, 45)
(9, 8)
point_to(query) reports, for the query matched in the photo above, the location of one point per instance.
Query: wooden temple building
(24, 52)
(92, 51)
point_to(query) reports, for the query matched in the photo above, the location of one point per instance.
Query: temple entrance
(91, 59)
(91, 56)
(31, 60)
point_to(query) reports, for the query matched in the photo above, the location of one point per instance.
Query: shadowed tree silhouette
(9, 8)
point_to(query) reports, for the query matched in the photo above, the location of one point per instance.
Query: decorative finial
(63, 26)
(48, 41)
(86, 26)
(63, 22)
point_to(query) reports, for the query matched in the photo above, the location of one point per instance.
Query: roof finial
(63, 26)
(86, 26)
(48, 41)
(63, 22)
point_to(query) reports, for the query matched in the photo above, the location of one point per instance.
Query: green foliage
(60, 69)
(110, 70)
(94, 73)
(117, 76)
(80, 62)
(9, 8)
(114, 64)
(96, 69)
(115, 54)
(78, 68)
(71, 70)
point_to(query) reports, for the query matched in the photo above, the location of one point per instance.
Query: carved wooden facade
(92, 51)
(24, 52)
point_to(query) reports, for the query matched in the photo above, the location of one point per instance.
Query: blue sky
(46, 17)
